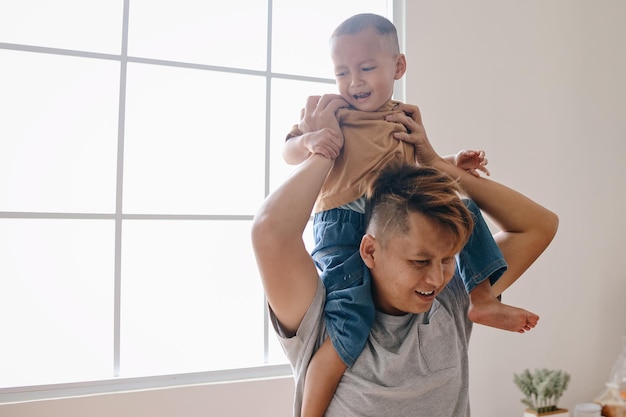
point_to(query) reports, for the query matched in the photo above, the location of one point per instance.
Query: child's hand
(472, 161)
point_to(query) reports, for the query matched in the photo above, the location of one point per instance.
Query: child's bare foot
(502, 316)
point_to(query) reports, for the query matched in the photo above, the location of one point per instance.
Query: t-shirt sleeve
(457, 299)
(300, 347)
(308, 334)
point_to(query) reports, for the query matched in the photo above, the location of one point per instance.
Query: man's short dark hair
(400, 189)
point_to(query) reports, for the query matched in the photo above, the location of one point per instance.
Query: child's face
(366, 68)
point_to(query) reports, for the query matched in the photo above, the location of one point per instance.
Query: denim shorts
(349, 309)
(481, 257)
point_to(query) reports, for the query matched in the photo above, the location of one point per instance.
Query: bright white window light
(135, 147)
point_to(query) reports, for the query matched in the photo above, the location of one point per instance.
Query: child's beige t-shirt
(368, 146)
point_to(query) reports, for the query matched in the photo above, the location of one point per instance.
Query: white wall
(540, 85)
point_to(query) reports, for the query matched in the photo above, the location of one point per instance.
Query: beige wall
(540, 85)
(267, 398)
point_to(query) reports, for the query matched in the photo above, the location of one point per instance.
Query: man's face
(411, 269)
(366, 68)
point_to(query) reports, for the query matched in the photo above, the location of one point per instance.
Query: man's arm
(526, 228)
(288, 273)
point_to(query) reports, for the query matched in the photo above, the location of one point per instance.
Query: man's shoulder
(454, 294)
(311, 323)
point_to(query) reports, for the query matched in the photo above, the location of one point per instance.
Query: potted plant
(542, 390)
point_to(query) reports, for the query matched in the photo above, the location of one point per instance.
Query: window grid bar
(44, 215)
(119, 193)
(113, 216)
(160, 62)
(268, 104)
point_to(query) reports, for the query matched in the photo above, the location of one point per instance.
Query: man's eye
(365, 69)
(340, 74)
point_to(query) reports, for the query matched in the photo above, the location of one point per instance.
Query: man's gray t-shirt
(413, 365)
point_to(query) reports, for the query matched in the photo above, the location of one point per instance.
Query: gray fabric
(412, 365)
(357, 205)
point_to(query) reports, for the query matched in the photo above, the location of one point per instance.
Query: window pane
(195, 142)
(288, 97)
(59, 141)
(94, 25)
(56, 294)
(231, 34)
(191, 297)
(301, 30)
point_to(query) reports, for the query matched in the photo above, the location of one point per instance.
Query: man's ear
(367, 250)
(400, 66)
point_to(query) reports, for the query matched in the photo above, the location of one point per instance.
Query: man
(415, 361)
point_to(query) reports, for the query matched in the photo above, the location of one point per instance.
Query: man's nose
(435, 275)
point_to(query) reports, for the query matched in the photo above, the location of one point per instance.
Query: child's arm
(297, 149)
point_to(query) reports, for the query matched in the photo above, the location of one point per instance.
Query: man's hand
(319, 128)
(411, 118)
(319, 113)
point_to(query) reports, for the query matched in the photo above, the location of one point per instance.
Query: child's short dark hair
(400, 189)
(363, 21)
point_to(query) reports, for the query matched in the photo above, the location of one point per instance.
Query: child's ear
(400, 66)
(367, 250)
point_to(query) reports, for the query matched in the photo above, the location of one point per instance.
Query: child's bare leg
(322, 377)
(486, 309)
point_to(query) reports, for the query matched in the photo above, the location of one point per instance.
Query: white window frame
(117, 384)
